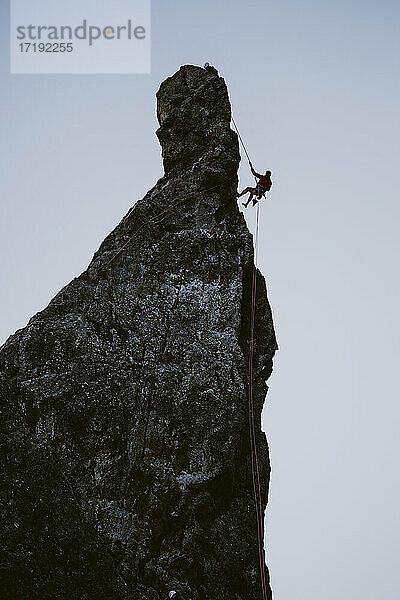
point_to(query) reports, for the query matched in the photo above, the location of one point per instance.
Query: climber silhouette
(264, 184)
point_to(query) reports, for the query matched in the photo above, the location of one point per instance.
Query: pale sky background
(315, 92)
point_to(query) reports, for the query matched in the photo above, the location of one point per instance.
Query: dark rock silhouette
(125, 447)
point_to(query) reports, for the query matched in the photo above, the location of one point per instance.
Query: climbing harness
(260, 192)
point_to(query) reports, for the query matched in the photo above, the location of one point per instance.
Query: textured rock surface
(125, 449)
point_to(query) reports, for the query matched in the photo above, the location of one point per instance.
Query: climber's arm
(254, 172)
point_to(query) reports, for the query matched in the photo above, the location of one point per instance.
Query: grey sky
(315, 92)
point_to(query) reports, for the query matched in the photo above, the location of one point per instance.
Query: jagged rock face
(125, 445)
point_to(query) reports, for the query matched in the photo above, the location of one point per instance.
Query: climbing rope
(255, 469)
(252, 432)
(242, 142)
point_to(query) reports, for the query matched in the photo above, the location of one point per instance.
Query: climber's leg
(245, 191)
(249, 199)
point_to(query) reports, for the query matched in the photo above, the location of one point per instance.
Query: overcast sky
(315, 92)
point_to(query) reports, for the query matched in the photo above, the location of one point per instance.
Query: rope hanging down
(255, 469)
(252, 432)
